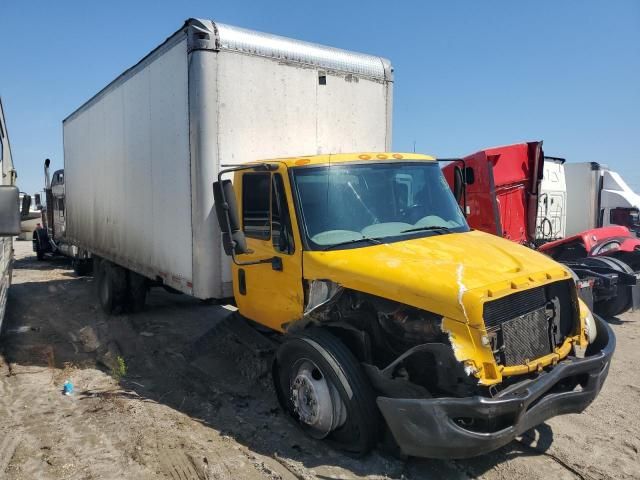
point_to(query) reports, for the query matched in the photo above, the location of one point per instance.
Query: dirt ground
(181, 392)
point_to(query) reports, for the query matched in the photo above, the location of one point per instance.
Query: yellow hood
(451, 275)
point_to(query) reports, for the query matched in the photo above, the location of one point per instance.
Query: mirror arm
(464, 180)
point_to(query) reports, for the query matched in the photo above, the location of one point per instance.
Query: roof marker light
(364, 157)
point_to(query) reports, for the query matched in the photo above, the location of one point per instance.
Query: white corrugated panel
(127, 170)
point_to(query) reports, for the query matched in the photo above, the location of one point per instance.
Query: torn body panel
(403, 349)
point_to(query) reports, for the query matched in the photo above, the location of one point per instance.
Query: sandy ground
(196, 400)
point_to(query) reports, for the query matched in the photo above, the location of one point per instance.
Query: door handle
(276, 264)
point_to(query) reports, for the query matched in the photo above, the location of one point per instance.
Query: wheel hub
(316, 400)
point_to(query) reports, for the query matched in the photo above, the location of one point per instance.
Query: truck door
(268, 293)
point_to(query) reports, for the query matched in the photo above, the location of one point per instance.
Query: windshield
(350, 204)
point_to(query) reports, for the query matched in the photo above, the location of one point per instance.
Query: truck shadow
(616, 320)
(193, 358)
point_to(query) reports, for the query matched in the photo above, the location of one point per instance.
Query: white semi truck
(598, 197)
(576, 197)
(140, 157)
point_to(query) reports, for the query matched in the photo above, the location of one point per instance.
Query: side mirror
(38, 201)
(9, 211)
(469, 176)
(458, 184)
(233, 239)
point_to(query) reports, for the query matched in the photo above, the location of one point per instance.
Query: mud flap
(635, 294)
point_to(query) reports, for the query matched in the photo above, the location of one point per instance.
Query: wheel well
(355, 340)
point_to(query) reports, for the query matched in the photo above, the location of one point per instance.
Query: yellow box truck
(395, 314)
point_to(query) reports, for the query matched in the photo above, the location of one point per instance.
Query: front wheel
(321, 384)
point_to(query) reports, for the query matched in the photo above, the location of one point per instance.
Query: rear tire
(112, 287)
(137, 291)
(322, 386)
(623, 299)
(82, 268)
(35, 239)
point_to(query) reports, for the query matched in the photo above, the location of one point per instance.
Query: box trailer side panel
(256, 96)
(583, 190)
(127, 169)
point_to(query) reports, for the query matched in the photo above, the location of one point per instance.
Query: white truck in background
(140, 157)
(576, 197)
(552, 201)
(598, 197)
(9, 213)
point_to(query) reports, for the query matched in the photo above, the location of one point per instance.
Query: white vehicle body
(583, 196)
(616, 194)
(142, 155)
(595, 195)
(552, 201)
(575, 197)
(6, 243)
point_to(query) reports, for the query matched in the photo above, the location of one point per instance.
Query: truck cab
(398, 317)
(50, 237)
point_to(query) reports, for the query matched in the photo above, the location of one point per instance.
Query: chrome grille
(526, 337)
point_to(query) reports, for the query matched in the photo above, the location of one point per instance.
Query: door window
(255, 205)
(281, 236)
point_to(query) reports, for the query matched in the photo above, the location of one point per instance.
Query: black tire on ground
(112, 287)
(623, 299)
(334, 364)
(82, 267)
(137, 291)
(35, 239)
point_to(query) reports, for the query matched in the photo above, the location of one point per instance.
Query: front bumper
(426, 427)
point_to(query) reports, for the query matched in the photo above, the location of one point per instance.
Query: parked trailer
(503, 195)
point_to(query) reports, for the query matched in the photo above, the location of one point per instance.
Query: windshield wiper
(441, 230)
(371, 240)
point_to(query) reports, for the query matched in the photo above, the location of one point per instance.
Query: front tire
(322, 386)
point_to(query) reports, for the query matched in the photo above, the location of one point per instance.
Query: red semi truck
(498, 189)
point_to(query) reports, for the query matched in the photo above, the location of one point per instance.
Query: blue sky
(469, 74)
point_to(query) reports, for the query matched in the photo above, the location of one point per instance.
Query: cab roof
(326, 159)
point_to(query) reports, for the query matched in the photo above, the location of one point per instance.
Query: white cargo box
(141, 155)
(584, 182)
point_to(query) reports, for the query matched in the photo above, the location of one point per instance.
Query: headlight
(590, 327)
